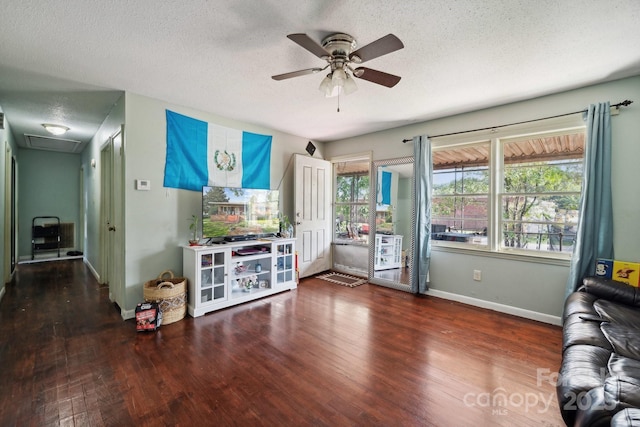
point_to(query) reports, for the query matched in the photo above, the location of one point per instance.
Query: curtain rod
(624, 103)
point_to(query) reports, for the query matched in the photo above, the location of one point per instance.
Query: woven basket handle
(165, 285)
(169, 272)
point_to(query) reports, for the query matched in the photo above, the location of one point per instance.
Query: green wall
(48, 185)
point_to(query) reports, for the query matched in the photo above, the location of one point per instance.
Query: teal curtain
(595, 227)
(423, 172)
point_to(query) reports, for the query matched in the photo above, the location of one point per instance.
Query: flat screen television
(239, 213)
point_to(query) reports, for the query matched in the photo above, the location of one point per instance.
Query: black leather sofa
(599, 379)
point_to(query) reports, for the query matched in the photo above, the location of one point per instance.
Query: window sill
(513, 256)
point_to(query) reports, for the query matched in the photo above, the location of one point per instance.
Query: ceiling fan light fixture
(338, 77)
(55, 129)
(349, 85)
(326, 86)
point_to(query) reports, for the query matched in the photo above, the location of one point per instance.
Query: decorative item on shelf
(194, 228)
(286, 228)
(248, 285)
(264, 283)
(258, 267)
(240, 268)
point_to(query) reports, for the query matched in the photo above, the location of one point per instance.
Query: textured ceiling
(72, 62)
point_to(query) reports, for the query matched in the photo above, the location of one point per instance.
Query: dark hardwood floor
(323, 355)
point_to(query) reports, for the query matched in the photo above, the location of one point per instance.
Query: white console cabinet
(227, 274)
(388, 252)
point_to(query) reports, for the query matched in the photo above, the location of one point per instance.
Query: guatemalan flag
(201, 153)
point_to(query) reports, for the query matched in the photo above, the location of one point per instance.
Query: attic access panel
(52, 144)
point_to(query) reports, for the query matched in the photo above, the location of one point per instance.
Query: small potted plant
(193, 226)
(286, 229)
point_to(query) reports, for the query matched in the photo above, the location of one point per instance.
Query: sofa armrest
(611, 290)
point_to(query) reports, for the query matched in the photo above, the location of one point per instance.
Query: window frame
(497, 137)
(355, 158)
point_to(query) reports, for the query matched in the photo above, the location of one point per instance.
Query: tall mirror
(391, 223)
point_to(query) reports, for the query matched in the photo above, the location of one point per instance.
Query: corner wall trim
(502, 308)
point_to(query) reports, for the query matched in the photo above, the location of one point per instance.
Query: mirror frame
(372, 222)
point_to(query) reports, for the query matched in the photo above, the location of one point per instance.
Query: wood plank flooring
(322, 355)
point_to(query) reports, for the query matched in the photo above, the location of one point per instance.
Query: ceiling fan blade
(296, 73)
(375, 76)
(308, 43)
(382, 46)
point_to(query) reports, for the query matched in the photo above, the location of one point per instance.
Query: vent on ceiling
(52, 144)
(1, 120)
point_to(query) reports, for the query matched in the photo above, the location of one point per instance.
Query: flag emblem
(225, 161)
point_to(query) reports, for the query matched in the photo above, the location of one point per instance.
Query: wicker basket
(170, 293)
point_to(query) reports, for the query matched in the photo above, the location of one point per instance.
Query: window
(509, 193)
(460, 209)
(352, 201)
(540, 194)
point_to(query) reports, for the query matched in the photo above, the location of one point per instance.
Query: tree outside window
(352, 202)
(536, 203)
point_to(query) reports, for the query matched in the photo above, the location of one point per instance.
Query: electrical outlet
(477, 275)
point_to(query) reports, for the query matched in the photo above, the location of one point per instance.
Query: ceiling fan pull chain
(339, 100)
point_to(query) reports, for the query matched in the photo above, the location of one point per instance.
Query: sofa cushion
(626, 418)
(623, 366)
(597, 406)
(624, 340)
(579, 302)
(621, 392)
(591, 409)
(577, 331)
(621, 314)
(583, 368)
(611, 290)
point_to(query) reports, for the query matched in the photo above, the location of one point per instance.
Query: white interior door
(312, 189)
(111, 219)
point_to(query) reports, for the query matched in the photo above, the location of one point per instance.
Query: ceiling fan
(338, 51)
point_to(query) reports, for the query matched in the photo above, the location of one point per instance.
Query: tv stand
(218, 276)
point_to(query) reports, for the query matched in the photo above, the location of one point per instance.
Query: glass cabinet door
(212, 277)
(284, 263)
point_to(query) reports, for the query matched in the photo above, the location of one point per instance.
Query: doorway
(312, 189)
(10, 202)
(111, 230)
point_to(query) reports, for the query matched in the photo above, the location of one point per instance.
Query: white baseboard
(28, 260)
(127, 314)
(91, 269)
(502, 308)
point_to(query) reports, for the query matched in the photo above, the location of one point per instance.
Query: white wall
(532, 289)
(156, 221)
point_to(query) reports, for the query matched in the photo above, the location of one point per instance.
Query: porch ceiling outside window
(533, 149)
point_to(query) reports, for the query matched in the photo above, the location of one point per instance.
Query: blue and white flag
(201, 153)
